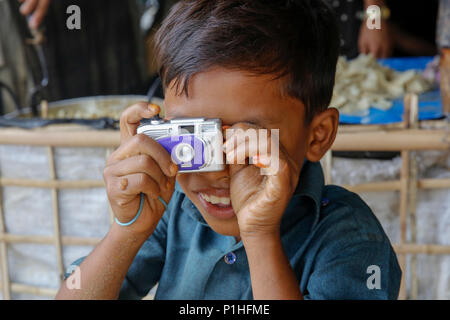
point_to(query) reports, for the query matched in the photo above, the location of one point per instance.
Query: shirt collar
(307, 196)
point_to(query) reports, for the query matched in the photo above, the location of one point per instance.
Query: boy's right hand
(140, 164)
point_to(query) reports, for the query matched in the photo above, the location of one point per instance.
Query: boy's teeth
(215, 200)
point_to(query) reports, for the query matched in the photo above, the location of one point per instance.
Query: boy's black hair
(294, 40)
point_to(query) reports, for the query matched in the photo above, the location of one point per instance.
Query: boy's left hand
(259, 200)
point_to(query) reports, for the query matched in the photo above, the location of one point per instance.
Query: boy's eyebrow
(254, 121)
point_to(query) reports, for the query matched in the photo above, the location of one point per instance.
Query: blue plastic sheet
(430, 103)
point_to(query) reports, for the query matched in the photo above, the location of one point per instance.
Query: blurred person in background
(105, 56)
(407, 27)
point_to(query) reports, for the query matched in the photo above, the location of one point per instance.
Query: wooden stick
(407, 248)
(44, 109)
(370, 127)
(65, 240)
(35, 290)
(406, 139)
(87, 184)
(6, 287)
(37, 137)
(428, 124)
(327, 167)
(56, 222)
(413, 102)
(395, 185)
(404, 181)
(404, 177)
(434, 183)
(53, 184)
(410, 248)
(374, 186)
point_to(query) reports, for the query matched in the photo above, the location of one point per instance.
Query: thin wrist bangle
(124, 224)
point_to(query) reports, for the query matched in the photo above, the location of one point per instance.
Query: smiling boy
(237, 234)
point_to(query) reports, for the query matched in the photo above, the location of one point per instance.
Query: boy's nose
(220, 179)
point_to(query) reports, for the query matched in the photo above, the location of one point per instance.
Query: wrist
(380, 3)
(262, 239)
(127, 235)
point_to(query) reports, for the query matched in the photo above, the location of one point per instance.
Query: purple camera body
(195, 144)
(174, 143)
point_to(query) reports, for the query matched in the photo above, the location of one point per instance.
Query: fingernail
(173, 169)
(33, 24)
(230, 156)
(259, 162)
(154, 108)
(228, 146)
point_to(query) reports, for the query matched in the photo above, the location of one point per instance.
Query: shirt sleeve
(359, 271)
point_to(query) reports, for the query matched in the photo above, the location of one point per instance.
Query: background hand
(377, 41)
(36, 9)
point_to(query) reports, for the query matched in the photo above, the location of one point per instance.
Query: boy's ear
(321, 134)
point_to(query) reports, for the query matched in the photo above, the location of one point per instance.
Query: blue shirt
(335, 245)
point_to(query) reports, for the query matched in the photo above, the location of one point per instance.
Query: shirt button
(230, 258)
(324, 202)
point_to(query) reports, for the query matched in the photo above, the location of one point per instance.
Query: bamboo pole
(407, 248)
(42, 137)
(404, 194)
(35, 290)
(413, 102)
(327, 167)
(411, 248)
(433, 184)
(404, 139)
(65, 240)
(46, 292)
(6, 287)
(53, 184)
(404, 177)
(55, 211)
(395, 185)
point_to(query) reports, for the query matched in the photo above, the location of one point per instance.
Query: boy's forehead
(233, 96)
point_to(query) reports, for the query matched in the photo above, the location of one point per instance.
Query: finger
(386, 51)
(377, 51)
(139, 164)
(247, 145)
(363, 47)
(131, 117)
(237, 133)
(39, 13)
(142, 144)
(277, 181)
(135, 184)
(28, 7)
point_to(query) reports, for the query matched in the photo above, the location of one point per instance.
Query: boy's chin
(226, 228)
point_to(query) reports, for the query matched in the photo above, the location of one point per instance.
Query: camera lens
(184, 152)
